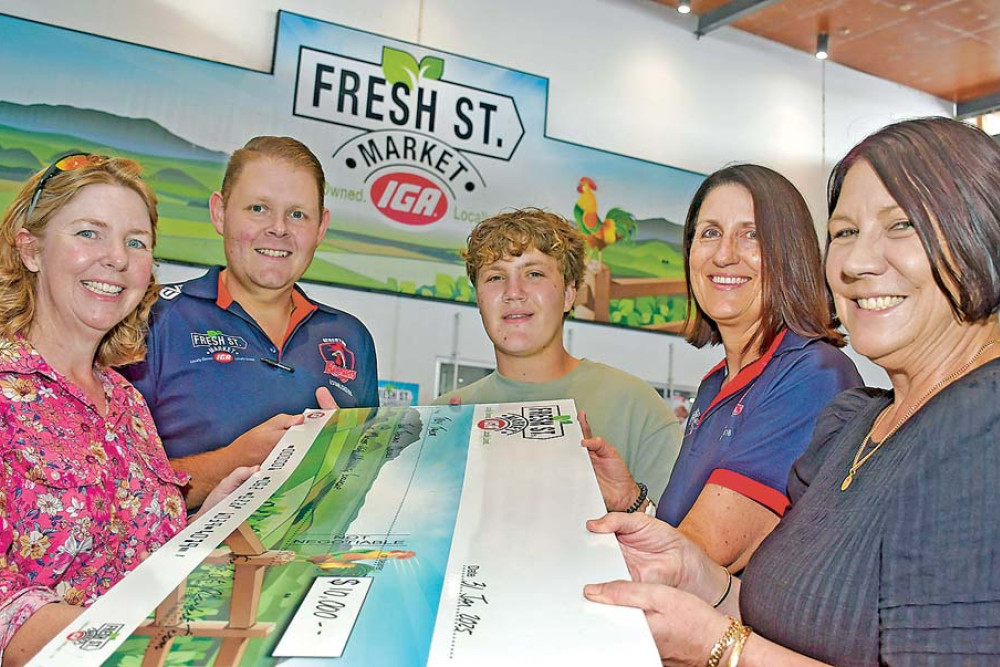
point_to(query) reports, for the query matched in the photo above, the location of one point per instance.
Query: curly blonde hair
(126, 342)
(512, 233)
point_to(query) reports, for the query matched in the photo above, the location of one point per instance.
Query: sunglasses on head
(65, 163)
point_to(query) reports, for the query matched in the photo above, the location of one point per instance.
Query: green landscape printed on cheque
(375, 496)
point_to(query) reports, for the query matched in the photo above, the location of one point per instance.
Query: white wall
(625, 75)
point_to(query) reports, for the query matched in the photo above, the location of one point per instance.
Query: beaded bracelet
(643, 490)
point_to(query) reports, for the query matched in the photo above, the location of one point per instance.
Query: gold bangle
(741, 640)
(732, 632)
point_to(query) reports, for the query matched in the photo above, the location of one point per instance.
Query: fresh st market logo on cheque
(93, 639)
(418, 129)
(536, 422)
(221, 347)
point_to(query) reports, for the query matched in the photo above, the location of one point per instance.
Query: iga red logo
(508, 424)
(493, 424)
(339, 359)
(222, 357)
(409, 199)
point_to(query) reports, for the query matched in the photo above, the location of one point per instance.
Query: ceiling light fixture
(822, 46)
(684, 6)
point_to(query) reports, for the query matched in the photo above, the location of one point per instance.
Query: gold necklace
(860, 458)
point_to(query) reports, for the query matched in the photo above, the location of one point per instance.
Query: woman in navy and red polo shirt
(755, 282)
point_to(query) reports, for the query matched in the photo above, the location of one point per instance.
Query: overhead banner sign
(441, 536)
(418, 146)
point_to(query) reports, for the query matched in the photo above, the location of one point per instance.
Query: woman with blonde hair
(86, 492)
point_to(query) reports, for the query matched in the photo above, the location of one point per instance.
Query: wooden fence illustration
(593, 300)
(250, 560)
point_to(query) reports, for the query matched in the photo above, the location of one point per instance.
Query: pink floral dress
(84, 498)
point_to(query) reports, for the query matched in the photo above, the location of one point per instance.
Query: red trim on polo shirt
(301, 308)
(747, 374)
(772, 499)
(715, 369)
(224, 299)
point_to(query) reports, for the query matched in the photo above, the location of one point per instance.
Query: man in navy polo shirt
(234, 348)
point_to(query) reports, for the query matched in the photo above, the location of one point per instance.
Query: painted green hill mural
(136, 135)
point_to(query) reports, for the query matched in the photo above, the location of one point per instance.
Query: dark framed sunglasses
(67, 162)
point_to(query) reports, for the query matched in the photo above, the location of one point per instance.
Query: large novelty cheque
(449, 535)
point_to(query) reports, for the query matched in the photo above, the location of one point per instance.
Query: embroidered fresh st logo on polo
(338, 358)
(221, 347)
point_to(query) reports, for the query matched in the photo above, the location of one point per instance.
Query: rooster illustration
(349, 563)
(618, 225)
